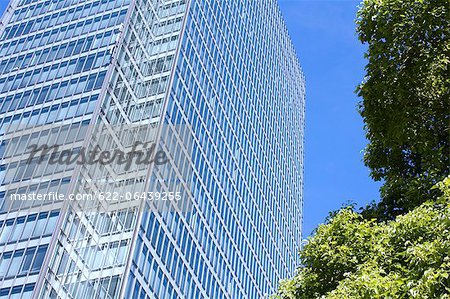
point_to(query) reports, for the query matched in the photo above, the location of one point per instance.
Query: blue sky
(332, 58)
(323, 33)
(3, 4)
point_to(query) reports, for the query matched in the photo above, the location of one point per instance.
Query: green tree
(406, 99)
(400, 247)
(354, 258)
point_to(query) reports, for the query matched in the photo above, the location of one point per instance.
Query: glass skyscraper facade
(214, 84)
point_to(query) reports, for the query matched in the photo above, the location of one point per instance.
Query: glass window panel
(4, 236)
(4, 293)
(40, 224)
(50, 228)
(29, 226)
(27, 261)
(16, 292)
(39, 258)
(28, 292)
(18, 229)
(4, 263)
(15, 263)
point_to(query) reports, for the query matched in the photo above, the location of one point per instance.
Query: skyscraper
(215, 85)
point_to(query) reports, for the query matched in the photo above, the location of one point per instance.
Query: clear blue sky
(3, 4)
(332, 59)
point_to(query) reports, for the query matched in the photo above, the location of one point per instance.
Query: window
(29, 226)
(28, 291)
(15, 263)
(78, 46)
(40, 225)
(26, 61)
(28, 259)
(89, 62)
(42, 95)
(62, 69)
(5, 104)
(51, 224)
(71, 67)
(100, 79)
(69, 49)
(16, 292)
(43, 57)
(3, 66)
(25, 100)
(18, 228)
(4, 263)
(40, 255)
(4, 293)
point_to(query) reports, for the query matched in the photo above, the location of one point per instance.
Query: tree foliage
(406, 99)
(399, 248)
(352, 257)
